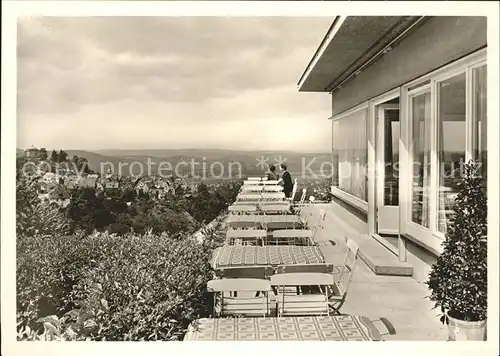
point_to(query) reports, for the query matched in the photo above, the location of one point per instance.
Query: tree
(458, 280)
(42, 154)
(54, 156)
(62, 156)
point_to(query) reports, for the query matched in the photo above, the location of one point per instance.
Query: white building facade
(409, 106)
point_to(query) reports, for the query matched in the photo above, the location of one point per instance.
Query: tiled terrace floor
(399, 299)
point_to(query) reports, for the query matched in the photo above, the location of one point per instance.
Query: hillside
(204, 159)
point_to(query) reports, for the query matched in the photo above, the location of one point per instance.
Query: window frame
(336, 191)
(431, 237)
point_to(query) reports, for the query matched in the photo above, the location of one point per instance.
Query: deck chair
(302, 303)
(341, 286)
(225, 304)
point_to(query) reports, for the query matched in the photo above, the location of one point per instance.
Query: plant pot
(460, 330)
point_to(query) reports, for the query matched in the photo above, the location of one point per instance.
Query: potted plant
(458, 280)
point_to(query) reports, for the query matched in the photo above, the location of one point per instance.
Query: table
(250, 235)
(262, 182)
(243, 221)
(275, 208)
(253, 197)
(321, 328)
(273, 188)
(240, 208)
(256, 178)
(273, 196)
(274, 222)
(229, 256)
(289, 234)
(252, 188)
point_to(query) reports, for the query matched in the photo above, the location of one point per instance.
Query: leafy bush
(458, 280)
(106, 287)
(34, 217)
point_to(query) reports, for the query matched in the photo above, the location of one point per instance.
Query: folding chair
(248, 236)
(225, 304)
(319, 223)
(291, 235)
(302, 303)
(294, 191)
(341, 286)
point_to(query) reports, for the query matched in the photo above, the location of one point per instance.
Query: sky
(169, 82)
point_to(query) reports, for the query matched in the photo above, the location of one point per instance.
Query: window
(446, 126)
(420, 111)
(350, 154)
(450, 144)
(479, 141)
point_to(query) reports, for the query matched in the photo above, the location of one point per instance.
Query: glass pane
(421, 125)
(479, 103)
(351, 153)
(391, 159)
(335, 154)
(450, 145)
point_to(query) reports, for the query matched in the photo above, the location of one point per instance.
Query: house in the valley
(409, 98)
(60, 196)
(31, 152)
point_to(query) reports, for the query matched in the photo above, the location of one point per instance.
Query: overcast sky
(151, 82)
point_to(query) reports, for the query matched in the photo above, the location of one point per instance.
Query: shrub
(458, 280)
(106, 287)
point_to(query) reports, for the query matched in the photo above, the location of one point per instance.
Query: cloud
(115, 74)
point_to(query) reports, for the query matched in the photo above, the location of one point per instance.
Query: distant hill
(247, 159)
(131, 161)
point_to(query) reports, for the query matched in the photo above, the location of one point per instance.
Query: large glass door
(387, 177)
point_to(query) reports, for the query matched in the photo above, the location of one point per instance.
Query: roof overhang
(350, 45)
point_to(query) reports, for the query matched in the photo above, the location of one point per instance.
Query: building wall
(438, 41)
(421, 260)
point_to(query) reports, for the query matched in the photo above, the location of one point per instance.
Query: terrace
(402, 299)
(291, 264)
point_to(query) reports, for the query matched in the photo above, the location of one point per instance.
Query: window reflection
(421, 169)
(350, 154)
(479, 104)
(450, 144)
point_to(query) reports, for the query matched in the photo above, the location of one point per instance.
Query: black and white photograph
(260, 171)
